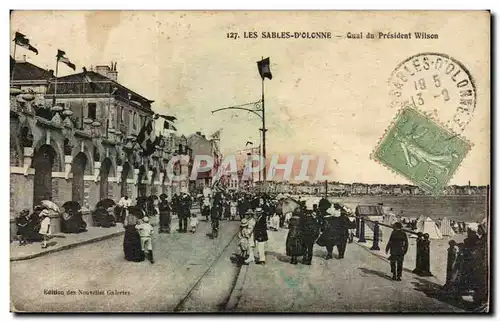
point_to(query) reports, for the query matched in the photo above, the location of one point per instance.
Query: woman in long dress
(132, 240)
(294, 245)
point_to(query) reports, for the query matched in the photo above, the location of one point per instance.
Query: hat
(44, 212)
(259, 211)
(25, 211)
(244, 222)
(145, 219)
(249, 212)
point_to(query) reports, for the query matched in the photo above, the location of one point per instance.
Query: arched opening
(154, 187)
(78, 169)
(104, 174)
(141, 187)
(43, 162)
(126, 170)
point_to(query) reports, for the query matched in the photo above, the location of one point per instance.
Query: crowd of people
(323, 224)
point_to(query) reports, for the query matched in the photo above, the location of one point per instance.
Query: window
(121, 115)
(134, 121)
(92, 111)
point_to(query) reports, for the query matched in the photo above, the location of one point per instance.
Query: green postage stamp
(421, 150)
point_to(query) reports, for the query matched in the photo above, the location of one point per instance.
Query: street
(360, 282)
(180, 261)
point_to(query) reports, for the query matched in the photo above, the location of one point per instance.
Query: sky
(327, 98)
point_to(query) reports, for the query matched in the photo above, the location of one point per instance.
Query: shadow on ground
(376, 273)
(434, 290)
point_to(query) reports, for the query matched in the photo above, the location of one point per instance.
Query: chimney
(107, 71)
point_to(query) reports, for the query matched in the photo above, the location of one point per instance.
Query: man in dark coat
(309, 233)
(184, 212)
(397, 246)
(343, 224)
(260, 236)
(165, 218)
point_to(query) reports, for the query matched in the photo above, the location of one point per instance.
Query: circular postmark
(435, 83)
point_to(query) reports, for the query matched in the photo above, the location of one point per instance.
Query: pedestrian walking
(260, 235)
(45, 227)
(397, 246)
(193, 222)
(294, 245)
(244, 235)
(342, 232)
(145, 232)
(234, 208)
(165, 214)
(251, 240)
(309, 233)
(131, 240)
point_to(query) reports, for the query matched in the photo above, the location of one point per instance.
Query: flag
(167, 125)
(147, 138)
(168, 117)
(24, 42)
(264, 69)
(61, 58)
(87, 78)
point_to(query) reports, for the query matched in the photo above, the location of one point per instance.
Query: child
(44, 227)
(193, 222)
(234, 205)
(244, 236)
(145, 231)
(22, 223)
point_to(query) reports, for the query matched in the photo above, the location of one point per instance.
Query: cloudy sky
(328, 98)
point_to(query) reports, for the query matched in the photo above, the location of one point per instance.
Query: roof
(369, 211)
(25, 71)
(95, 83)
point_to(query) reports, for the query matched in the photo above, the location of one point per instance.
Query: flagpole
(263, 131)
(13, 68)
(55, 83)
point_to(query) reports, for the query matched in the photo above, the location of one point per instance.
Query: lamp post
(260, 112)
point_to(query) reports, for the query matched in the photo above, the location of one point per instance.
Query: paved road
(361, 282)
(181, 259)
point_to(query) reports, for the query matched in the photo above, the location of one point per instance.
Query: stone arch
(127, 172)
(58, 149)
(44, 160)
(89, 167)
(106, 166)
(78, 168)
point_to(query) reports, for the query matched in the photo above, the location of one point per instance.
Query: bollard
(418, 261)
(362, 231)
(376, 233)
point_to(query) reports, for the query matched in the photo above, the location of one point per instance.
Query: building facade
(74, 139)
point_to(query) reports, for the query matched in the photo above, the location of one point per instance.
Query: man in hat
(343, 224)
(185, 212)
(309, 233)
(260, 235)
(397, 246)
(165, 218)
